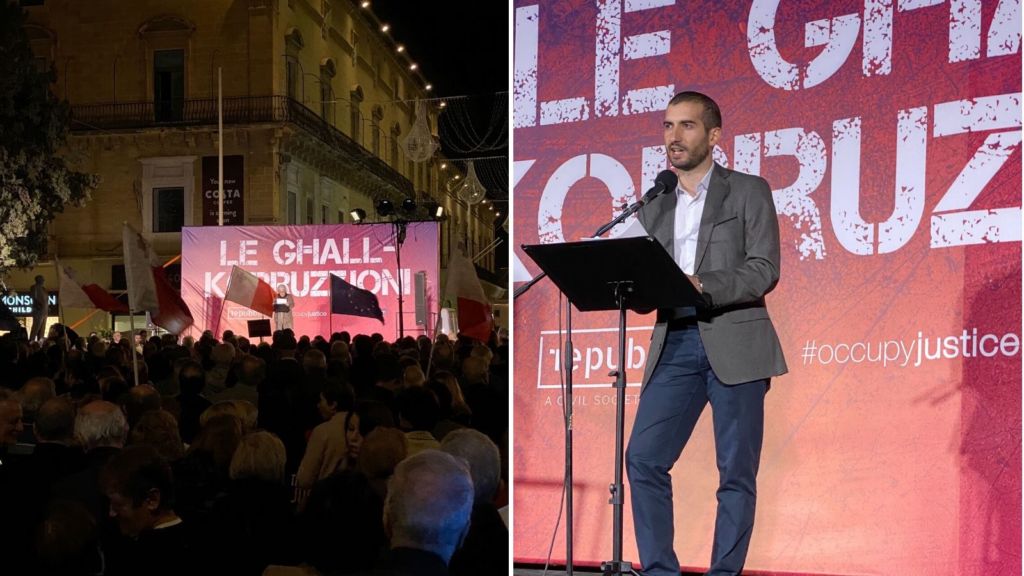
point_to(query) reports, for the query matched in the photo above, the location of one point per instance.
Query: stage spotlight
(358, 215)
(385, 207)
(409, 205)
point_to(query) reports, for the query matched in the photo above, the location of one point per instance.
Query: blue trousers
(680, 386)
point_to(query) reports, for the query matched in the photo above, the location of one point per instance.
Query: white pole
(220, 150)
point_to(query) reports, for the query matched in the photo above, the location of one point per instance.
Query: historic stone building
(317, 100)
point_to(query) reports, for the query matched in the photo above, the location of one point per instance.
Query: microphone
(666, 181)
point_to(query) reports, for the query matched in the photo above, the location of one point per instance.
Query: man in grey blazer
(721, 228)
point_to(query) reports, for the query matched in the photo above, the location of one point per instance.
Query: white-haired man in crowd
(426, 513)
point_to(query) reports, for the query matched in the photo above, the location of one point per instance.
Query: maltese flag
(246, 289)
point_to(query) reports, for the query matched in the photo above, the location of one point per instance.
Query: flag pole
(135, 361)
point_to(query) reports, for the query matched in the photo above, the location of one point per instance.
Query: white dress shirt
(689, 210)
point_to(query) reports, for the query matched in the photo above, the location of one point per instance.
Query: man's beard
(694, 158)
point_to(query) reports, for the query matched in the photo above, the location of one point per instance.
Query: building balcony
(238, 110)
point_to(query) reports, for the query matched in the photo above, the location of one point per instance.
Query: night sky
(462, 48)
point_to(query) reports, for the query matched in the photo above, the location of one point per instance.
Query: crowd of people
(339, 455)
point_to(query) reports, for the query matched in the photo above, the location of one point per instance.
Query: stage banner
(302, 258)
(890, 133)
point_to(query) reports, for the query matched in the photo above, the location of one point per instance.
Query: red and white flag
(248, 290)
(463, 289)
(148, 287)
(75, 295)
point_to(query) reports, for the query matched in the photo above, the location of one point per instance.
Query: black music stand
(616, 274)
(259, 328)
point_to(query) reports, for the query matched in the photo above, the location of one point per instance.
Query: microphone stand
(567, 402)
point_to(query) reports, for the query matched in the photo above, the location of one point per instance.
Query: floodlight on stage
(385, 207)
(439, 212)
(409, 205)
(358, 215)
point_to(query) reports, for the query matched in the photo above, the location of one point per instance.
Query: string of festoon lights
(399, 48)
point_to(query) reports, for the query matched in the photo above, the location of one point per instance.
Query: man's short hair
(135, 472)
(55, 420)
(314, 358)
(711, 117)
(34, 392)
(159, 429)
(483, 458)
(101, 423)
(429, 502)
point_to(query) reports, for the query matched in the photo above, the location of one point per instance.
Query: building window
(293, 207)
(323, 214)
(292, 77)
(341, 216)
(356, 119)
(168, 209)
(310, 212)
(169, 84)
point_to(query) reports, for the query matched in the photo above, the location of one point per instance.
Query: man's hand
(696, 283)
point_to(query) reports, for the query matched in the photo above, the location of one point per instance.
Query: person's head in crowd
(252, 371)
(67, 541)
(115, 337)
(481, 351)
(454, 390)
(222, 408)
(314, 361)
(259, 456)
(218, 439)
(158, 429)
(227, 334)
(114, 388)
(55, 421)
(101, 424)
(33, 393)
(381, 450)
(223, 355)
(365, 417)
(444, 399)
(362, 346)
(346, 337)
(377, 337)
(475, 370)
(413, 376)
(429, 502)
(443, 356)
(334, 398)
(140, 399)
(191, 378)
(97, 349)
(380, 348)
(188, 343)
(339, 350)
(168, 340)
(249, 414)
(417, 409)
(388, 371)
(242, 344)
(11, 425)
(284, 344)
(483, 458)
(140, 487)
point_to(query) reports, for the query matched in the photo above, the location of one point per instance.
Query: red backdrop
(890, 132)
(302, 257)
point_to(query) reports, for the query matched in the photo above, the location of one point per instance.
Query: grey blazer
(738, 263)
